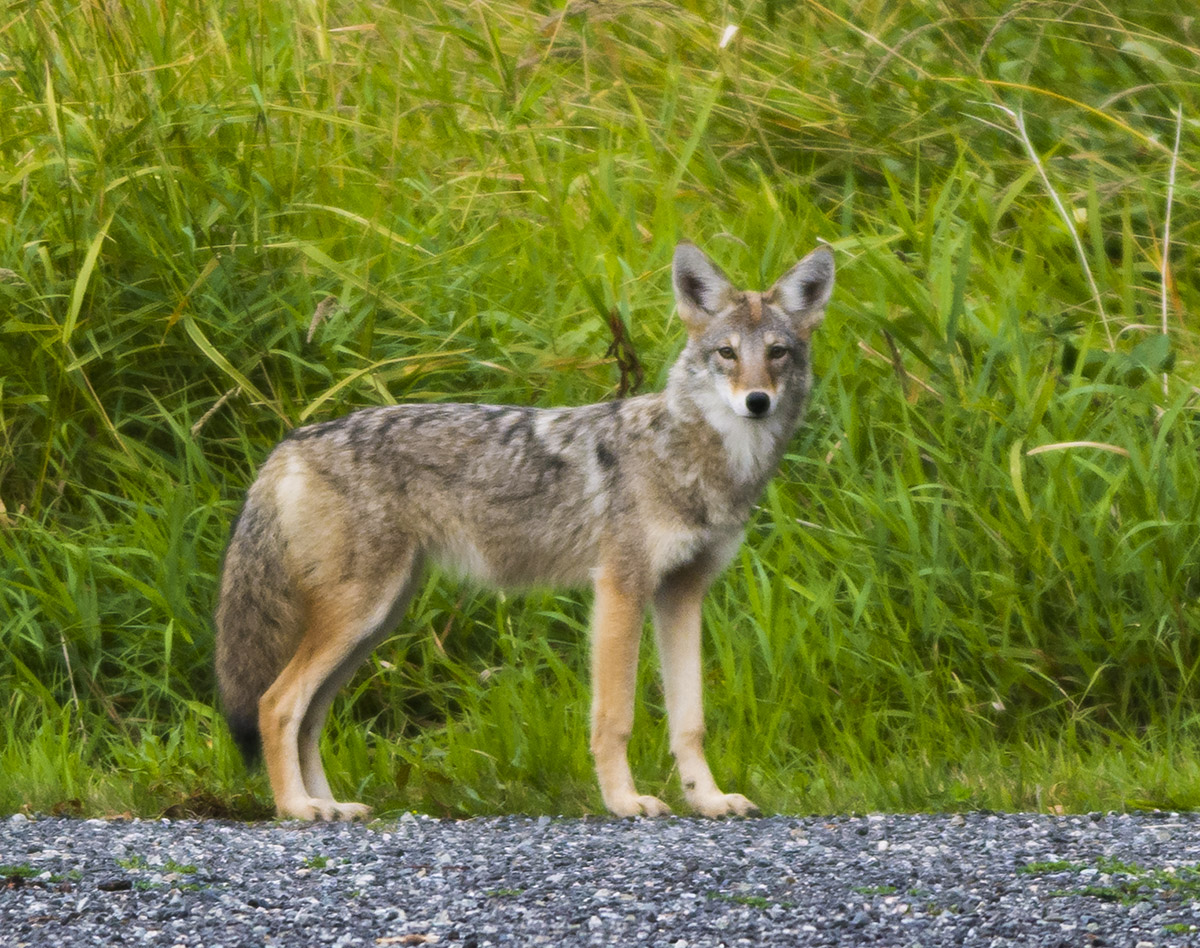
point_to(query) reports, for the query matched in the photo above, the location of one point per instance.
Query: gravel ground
(980, 879)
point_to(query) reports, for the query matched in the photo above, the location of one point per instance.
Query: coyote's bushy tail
(259, 622)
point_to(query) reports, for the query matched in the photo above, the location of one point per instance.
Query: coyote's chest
(670, 544)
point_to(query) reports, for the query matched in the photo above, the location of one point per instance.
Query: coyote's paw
(724, 804)
(328, 810)
(635, 805)
(345, 812)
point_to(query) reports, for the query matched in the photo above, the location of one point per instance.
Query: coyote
(644, 498)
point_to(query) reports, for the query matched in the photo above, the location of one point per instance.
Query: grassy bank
(974, 582)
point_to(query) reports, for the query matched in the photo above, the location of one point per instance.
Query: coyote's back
(644, 498)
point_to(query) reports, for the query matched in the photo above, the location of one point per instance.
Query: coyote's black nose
(758, 403)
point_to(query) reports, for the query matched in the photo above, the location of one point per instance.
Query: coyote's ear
(701, 289)
(804, 290)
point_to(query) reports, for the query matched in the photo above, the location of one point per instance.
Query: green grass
(1053, 865)
(973, 584)
(750, 901)
(1126, 883)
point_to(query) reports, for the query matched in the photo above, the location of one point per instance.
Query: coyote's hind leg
(343, 627)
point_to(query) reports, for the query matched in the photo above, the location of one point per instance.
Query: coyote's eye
(726, 352)
(778, 352)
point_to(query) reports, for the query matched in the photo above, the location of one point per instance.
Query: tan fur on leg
(293, 710)
(616, 635)
(677, 626)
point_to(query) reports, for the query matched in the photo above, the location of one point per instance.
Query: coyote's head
(753, 348)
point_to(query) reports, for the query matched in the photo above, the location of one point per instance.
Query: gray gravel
(978, 879)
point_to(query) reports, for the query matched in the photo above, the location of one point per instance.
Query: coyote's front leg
(616, 633)
(677, 624)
